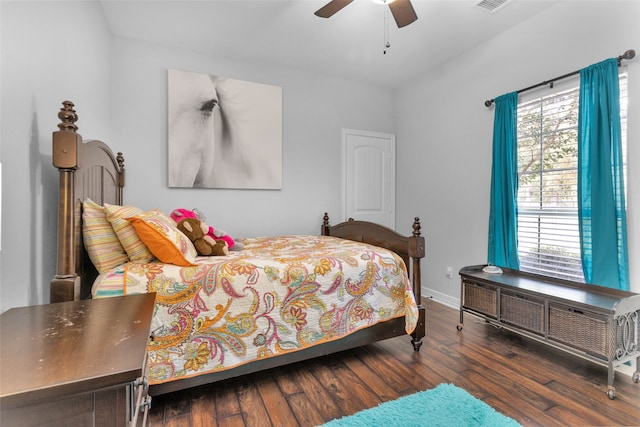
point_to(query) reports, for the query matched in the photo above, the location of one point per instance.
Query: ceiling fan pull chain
(387, 45)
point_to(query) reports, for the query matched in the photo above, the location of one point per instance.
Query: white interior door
(369, 176)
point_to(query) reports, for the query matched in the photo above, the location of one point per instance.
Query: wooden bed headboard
(87, 170)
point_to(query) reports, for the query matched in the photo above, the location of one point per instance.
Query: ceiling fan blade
(332, 7)
(403, 12)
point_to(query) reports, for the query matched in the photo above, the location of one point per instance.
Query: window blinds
(548, 237)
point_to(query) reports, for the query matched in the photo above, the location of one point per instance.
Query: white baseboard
(444, 299)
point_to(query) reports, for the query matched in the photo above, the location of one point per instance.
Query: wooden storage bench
(598, 323)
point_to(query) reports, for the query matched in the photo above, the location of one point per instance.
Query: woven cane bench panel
(582, 330)
(483, 299)
(522, 311)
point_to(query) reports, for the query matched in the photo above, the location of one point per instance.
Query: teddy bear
(181, 213)
(196, 231)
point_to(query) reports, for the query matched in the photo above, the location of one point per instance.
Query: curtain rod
(630, 54)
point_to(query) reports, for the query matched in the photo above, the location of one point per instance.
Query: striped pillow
(127, 235)
(100, 241)
(161, 235)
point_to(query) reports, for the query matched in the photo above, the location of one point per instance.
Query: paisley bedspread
(278, 294)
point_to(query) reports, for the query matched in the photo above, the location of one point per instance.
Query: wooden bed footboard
(411, 249)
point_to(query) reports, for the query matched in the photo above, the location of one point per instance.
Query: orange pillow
(161, 236)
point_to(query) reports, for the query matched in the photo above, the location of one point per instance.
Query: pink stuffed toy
(181, 213)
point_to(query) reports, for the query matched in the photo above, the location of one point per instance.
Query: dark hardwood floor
(523, 379)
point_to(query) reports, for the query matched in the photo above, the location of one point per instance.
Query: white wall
(50, 52)
(445, 131)
(53, 51)
(315, 109)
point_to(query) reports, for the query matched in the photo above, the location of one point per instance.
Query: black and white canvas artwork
(223, 133)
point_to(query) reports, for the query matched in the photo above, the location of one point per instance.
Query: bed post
(65, 286)
(416, 252)
(325, 225)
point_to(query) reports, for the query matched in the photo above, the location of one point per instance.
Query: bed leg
(419, 332)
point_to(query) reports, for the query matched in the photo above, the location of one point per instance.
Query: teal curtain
(503, 218)
(601, 199)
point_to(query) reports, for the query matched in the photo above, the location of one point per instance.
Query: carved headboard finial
(416, 226)
(68, 116)
(120, 160)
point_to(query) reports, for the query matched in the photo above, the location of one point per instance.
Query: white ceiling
(349, 45)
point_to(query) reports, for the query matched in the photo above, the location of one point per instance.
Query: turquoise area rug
(445, 405)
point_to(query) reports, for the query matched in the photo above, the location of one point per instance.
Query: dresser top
(66, 348)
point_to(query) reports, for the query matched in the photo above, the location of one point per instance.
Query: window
(548, 236)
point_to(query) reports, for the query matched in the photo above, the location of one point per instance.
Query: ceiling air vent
(493, 5)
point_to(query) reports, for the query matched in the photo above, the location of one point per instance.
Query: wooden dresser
(78, 363)
(594, 322)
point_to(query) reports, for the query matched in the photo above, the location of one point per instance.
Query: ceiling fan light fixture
(383, 1)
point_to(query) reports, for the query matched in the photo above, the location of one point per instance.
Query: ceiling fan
(402, 10)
